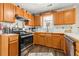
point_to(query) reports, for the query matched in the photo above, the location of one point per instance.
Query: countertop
(74, 36)
(8, 34)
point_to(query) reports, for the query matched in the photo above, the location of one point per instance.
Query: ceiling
(35, 8)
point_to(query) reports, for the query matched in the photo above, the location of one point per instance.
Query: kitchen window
(47, 23)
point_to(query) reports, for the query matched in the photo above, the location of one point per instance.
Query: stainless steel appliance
(25, 40)
(70, 46)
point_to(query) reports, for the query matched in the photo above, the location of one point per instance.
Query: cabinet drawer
(12, 38)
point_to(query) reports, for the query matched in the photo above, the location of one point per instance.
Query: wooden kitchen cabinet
(30, 18)
(69, 16)
(13, 45)
(1, 12)
(9, 45)
(31, 21)
(13, 48)
(48, 39)
(58, 18)
(19, 11)
(37, 20)
(55, 15)
(56, 41)
(9, 12)
(29, 15)
(63, 44)
(65, 17)
(77, 49)
(25, 15)
(36, 39)
(39, 39)
(42, 39)
(52, 40)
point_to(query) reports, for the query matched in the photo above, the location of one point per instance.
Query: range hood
(21, 18)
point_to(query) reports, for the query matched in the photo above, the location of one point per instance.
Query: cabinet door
(48, 41)
(69, 16)
(56, 41)
(29, 15)
(42, 40)
(19, 11)
(58, 18)
(1, 12)
(25, 14)
(55, 15)
(35, 39)
(31, 22)
(13, 48)
(62, 42)
(77, 49)
(9, 12)
(37, 20)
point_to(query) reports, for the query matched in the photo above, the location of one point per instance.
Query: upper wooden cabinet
(60, 18)
(64, 17)
(19, 11)
(55, 16)
(25, 14)
(1, 12)
(9, 12)
(29, 15)
(31, 22)
(37, 20)
(69, 16)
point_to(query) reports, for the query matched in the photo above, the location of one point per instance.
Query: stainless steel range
(25, 40)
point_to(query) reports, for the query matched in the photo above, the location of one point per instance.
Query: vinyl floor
(37, 50)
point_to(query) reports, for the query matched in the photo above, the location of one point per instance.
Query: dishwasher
(70, 46)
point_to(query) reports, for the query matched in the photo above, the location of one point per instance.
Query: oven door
(25, 42)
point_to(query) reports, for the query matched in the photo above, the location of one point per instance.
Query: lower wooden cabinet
(56, 41)
(77, 49)
(9, 45)
(50, 40)
(53, 40)
(13, 48)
